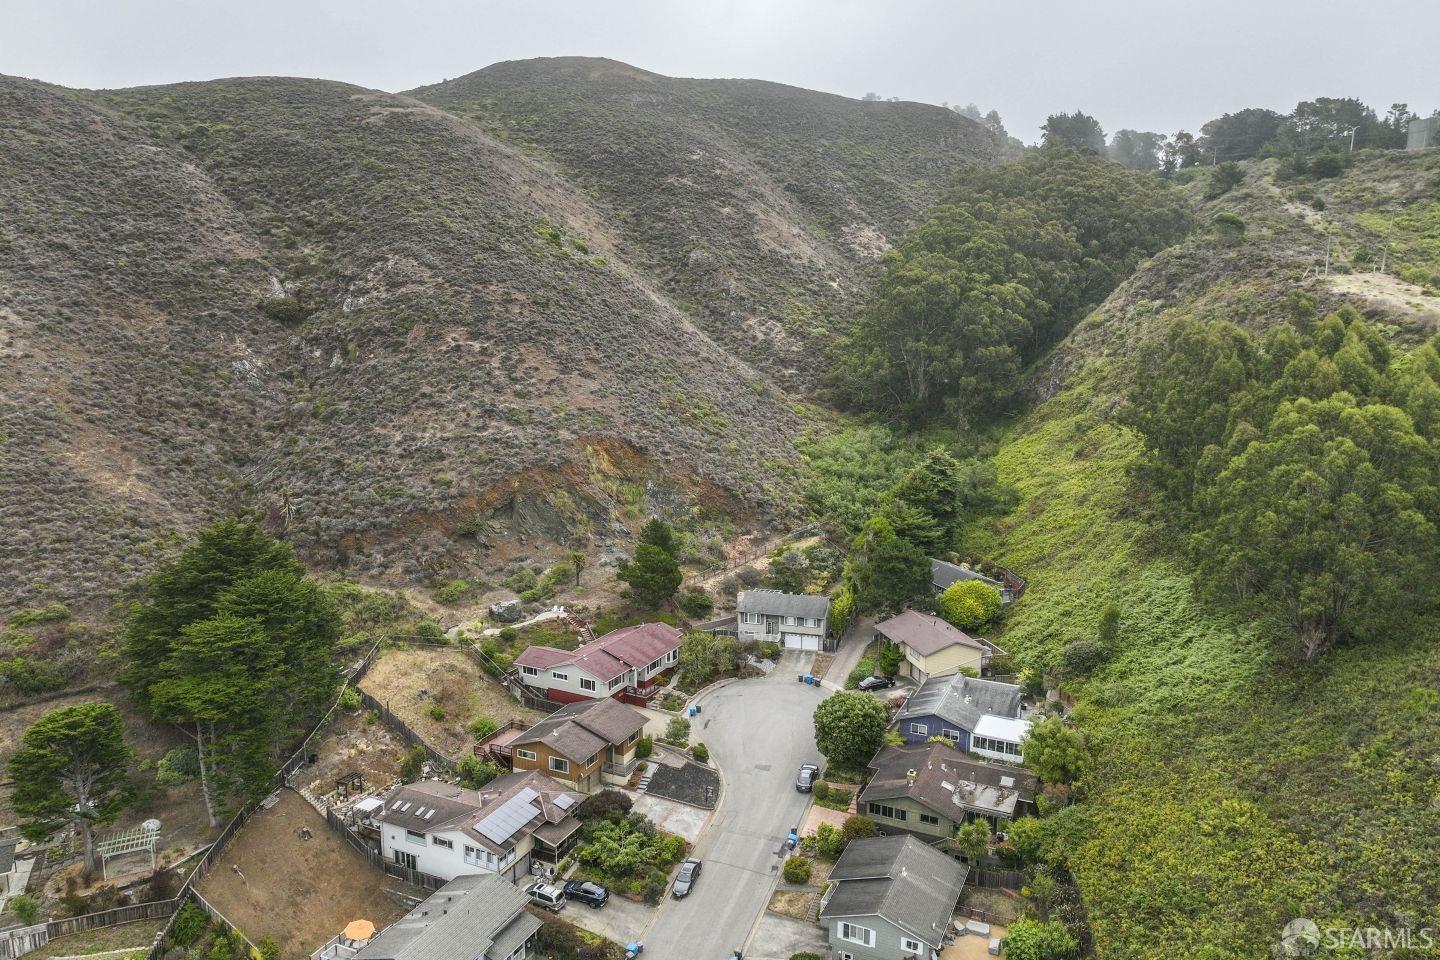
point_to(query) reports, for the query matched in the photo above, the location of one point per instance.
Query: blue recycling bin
(810, 679)
(694, 711)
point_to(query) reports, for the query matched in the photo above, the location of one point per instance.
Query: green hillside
(1236, 787)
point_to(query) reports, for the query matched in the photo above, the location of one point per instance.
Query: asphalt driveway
(759, 732)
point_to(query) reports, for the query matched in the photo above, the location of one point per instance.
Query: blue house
(978, 716)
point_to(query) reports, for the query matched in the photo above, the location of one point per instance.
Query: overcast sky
(1147, 64)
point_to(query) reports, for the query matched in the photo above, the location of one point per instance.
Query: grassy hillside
(411, 343)
(1236, 787)
(759, 205)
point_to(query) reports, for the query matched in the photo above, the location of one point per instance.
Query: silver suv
(546, 895)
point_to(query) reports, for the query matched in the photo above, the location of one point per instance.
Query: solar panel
(429, 813)
(513, 814)
(564, 801)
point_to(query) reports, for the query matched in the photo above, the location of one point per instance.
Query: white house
(623, 663)
(1000, 738)
(449, 831)
(794, 620)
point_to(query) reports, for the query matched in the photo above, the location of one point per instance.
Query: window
(655, 666)
(842, 955)
(559, 764)
(930, 819)
(530, 671)
(524, 754)
(951, 735)
(887, 811)
(744, 617)
(919, 729)
(1007, 747)
(587, 684)
(557, 675)
(591, 761)
(414, 837)
(615, 683)
(442, 842)
(674, 655)
(856, 934)
(913, 946)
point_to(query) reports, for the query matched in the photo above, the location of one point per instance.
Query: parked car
(546, 895)
(586, 892)
(685, 879)
(876, 683)
(805, 779)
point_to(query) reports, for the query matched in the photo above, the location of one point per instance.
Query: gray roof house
(890, 898)
(943, 574)
(476, 917)
(978, 716)
(797, 621)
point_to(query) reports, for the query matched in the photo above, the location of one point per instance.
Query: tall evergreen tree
(71, 769)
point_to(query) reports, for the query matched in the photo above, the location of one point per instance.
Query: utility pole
(1352, 138)
(1327, 255)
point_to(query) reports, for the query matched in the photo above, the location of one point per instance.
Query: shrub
(700, 752)
(1080, 658)
(436, 712)
(412, 764)
(286, 310)
(969, 604)
(30, 676)
(696, 605)
(797, 870)
(607, 804)
(350, 700)
(827, 843)
(475, 772)
(677, 731)
(864, 667)
(889, 659)
(858, 827)
(482, 726)
(1029, 939)
(189, 924)
(807, 955)
(769, 650)
(821, 790)
(269, 949)
(849, 728)
(644, 748)
(180, 765)
(26, 907)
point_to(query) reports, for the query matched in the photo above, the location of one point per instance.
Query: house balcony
(497, 746)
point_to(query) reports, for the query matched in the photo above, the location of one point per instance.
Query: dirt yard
(271, 882)
(141, 933)
(352, 745)
(413, 682)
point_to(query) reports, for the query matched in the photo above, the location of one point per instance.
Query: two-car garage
(800, 641)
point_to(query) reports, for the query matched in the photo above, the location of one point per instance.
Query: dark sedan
(685, 879)
(805, 779)
(876, 683)
(583, 891)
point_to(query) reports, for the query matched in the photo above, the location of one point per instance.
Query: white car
(546, 895)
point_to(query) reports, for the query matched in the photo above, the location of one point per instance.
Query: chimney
(910, 777)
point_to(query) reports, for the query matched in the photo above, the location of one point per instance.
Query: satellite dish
(151, 826)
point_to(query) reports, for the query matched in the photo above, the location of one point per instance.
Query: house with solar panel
(449, 831)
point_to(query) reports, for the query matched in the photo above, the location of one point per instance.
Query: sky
(1158, 65)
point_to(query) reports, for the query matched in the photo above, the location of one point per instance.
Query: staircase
(644, 782)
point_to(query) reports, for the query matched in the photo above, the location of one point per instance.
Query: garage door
(800, 641)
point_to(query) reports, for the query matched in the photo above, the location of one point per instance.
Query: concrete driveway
(759, 732)
(849, 650)
(620, 920)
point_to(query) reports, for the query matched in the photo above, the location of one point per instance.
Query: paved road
(759, 732)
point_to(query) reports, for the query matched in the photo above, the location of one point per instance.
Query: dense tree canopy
(1000, 271)
(886, 569)
(1303, 465)
(1074, 131)
(849, 728)
(232, 643)
(71, 768)
(652, 575)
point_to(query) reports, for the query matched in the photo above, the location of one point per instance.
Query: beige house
(933, 647)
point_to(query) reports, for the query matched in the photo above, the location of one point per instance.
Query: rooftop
(926, 634)
(910, 884)
(495, 816)
(947, 781)
(611, 655)
(582, 729)
(782, 604)
(962, 700)
(476, 916)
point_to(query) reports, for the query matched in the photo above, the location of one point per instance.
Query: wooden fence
(377, 859)
(395, 723)
(18, 941)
